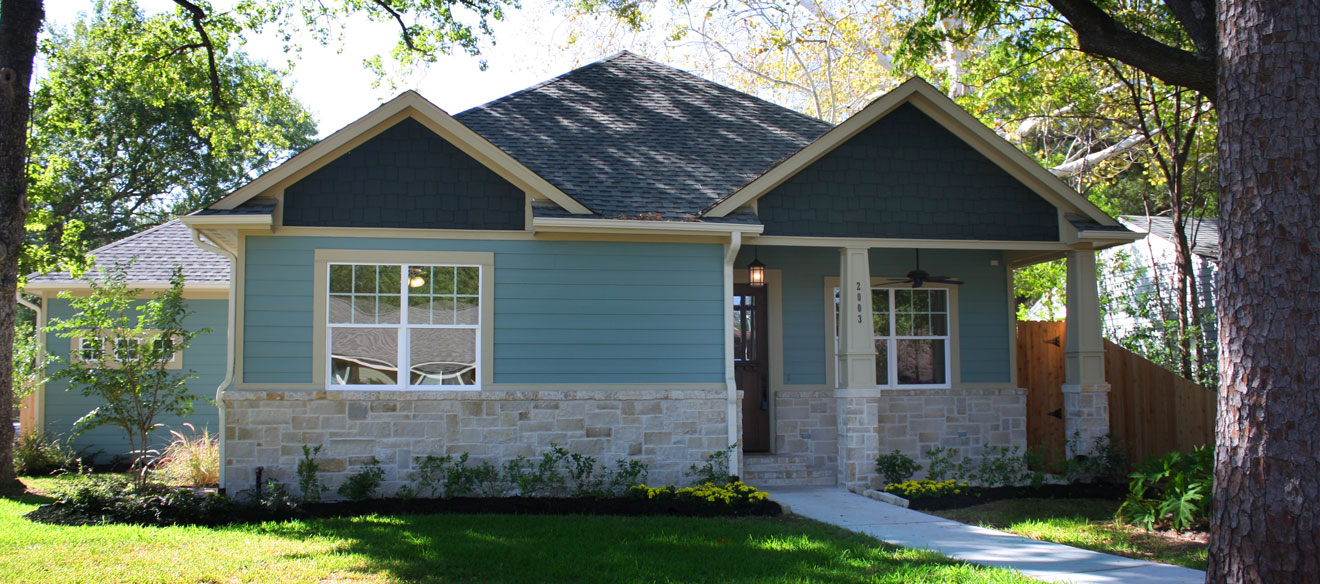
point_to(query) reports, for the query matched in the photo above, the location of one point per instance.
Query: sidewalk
(1037, 559)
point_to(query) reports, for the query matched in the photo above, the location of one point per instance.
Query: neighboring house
(574, 263)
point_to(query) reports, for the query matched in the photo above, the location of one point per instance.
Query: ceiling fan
(919, 276)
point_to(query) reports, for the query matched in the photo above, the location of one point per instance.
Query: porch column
(1085, 392)
(856, 402)
(856, 339)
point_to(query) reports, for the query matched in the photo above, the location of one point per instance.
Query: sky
(335, 86)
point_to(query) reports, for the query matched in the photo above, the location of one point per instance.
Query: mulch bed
(979, 495)
(61, 515)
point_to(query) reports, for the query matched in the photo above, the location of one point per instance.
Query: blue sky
(337, 89)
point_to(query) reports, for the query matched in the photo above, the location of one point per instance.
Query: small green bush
(361, 485)
(728, 494)
(714, 470)
(115, 499)
(1172, 491)
(927, 488)
(896, 467)
(38, 454)
(309, 478)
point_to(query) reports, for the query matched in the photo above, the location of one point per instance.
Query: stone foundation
(668, 430)
(913, 421)
(1085, 416)
(805, 426)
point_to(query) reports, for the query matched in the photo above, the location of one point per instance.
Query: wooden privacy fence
(1151, 409)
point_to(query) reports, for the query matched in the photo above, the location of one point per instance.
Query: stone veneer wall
(805, 425)
(914, 421)
(667, 430)
(1085, 416)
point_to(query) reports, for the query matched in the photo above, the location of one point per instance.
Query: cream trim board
(946, 113)
(320, 290)
(492, 235)
(409, 104)
(628, 225)
(234, 221)
(954, 365)
(80, 289)
(856, 242)
(108, 354)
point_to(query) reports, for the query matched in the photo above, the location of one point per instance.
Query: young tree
(426, 28)
(124, 355)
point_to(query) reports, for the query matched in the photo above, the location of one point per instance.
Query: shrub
(309, 479)
(1171, 490)
(189, 461)
(114, 499)
(39, 454)
(896, 467)
(728, 494)
(714, 470)
(360, 485)
(1001, 466)
(557, 473)
(944, 465)
(926, 488)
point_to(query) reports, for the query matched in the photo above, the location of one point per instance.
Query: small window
(90, 349)
(911, 330)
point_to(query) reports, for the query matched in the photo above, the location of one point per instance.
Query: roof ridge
(536, 86)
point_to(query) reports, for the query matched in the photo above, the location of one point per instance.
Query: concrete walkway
(1037, 559)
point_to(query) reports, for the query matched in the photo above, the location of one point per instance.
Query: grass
(1084, 523)
(466, 548)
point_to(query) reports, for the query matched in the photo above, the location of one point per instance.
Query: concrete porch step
(784, 470)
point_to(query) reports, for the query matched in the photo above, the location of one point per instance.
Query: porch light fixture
(415, 279)
(756, 272)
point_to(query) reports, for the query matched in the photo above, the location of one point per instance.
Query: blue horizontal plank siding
(205, 357)
(983, 312)
(565, 312)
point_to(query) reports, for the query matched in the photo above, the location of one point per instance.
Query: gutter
(730, 381)
(229, 342)
(38, 396)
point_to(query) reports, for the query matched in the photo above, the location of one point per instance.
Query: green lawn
(466, 548)
(1084, 523)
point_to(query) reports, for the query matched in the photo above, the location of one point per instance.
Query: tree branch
(403, 27)
(198, 21)
(1099, 34)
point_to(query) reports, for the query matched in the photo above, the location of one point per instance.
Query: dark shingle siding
(907, 177)
(628, 136)
(407, 176)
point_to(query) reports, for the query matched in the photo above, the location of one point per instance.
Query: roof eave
(565, 225)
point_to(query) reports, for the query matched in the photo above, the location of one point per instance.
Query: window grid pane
(915, 327)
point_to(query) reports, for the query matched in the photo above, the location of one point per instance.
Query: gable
(405, 177)
(907, 177)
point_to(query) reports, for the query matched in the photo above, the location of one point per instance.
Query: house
(631, 261)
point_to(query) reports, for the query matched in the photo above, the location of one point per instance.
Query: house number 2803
(859, 302)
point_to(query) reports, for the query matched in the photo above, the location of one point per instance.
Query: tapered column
(856, 336)
(1085, 392)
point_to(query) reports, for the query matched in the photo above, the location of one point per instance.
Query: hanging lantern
(756, 273)
(415, 279)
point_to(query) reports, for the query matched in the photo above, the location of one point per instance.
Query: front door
(751, 365)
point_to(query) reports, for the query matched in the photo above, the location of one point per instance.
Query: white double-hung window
(911, 330)
(414, 325)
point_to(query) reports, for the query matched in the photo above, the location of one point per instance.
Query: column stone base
(1085, 416)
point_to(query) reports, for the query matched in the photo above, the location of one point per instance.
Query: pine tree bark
(19, 22)
(1266, 517)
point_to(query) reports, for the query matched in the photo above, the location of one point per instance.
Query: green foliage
(944, 465)
(1041, 283)
(557, 473)
(429, 477)
(896, 467)
(729, 494)
(362, 484)
(189, 460)
(113, 499)
(39, 454)
(715, 469)
(1002, 466)
(1107, 461)
(1171, 491)
(29, 373)
(309, 478)
(140, 338)
(125, 134)
(926, 488)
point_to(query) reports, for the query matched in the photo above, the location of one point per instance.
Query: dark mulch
(979, 495)
(60, 514)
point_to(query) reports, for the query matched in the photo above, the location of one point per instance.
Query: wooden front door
(751, 365)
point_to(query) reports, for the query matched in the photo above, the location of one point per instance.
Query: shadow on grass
(508, 548)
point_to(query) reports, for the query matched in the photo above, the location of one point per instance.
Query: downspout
(229, 342)
(38, 396)
(730, 382)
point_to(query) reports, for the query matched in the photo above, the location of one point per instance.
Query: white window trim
(109, 347)
(485, 343)
(952, 369)
(892, 353)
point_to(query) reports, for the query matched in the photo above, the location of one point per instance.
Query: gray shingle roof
(157, 251)
(252, 207)
(627, 136)
(1202, 234)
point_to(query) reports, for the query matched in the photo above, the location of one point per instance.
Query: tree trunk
(19, 22)
(1266, 517)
